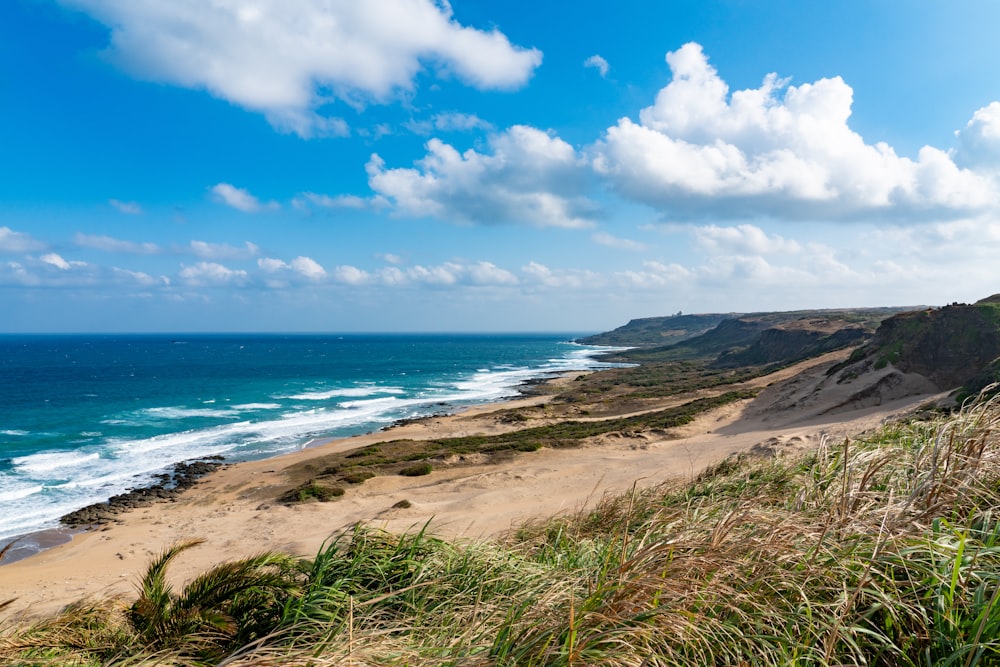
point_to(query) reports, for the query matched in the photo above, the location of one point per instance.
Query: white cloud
(126, 207)
(326, 201)
(309, 268)
(219, 251)
(448, 274)
(452, 274)
(778, 150)
(451, 121)
(605, 239)
(17, 242)
(459, 122)
(578, 279)
(598, 63)
(742, 240)
(303, 266)
(140, 278)
(239, 198)
(389, 258)
(15, 273)
(288, 59)
(53, 259)
(487, 273)
(351, 275)
(53, 271)
(271, 265)
(207, 274)
(442, 275)
(109, 244)
(654, 275)
(979, 141)
(529, 176)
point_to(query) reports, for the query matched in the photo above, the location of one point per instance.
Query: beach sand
(234, 511)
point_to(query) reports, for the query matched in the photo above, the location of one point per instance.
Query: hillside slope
(956, 347)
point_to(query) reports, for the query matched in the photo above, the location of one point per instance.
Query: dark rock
(167, 487)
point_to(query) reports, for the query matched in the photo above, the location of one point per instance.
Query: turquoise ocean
(83, 418)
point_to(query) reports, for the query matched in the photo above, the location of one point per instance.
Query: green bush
(312, 491)
(358, 477)
(417, 470)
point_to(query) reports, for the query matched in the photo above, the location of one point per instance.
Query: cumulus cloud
(54, 271)
(777, 150)
(528, 176)
(487, 273)
(271, 265)
(139, 278)
(351, 275)
(18, 242)
(956, 245)
(979, 141)
(610, 241)
(110, 244)
(208, 274)
(288, 59)
(126, 207)
(541, 275)
(600, 64)
(448, 274)
(305, 267)
(742, 240)
(53, 259)
(239, 198)
(308, 267)
(221, 251)
(654, 275)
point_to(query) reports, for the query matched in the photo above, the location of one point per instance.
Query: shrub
(358, 477)
(417, 470)
(312, 491)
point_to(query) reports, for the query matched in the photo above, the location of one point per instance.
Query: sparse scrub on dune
(883, 550)
(313, 491)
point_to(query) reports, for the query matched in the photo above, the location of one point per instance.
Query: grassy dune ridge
(880, 550)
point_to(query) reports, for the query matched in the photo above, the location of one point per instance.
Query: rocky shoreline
(180, 477)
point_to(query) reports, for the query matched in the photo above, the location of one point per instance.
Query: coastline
(32, 544)
(235, 511)
(184, 475)
(115, 432)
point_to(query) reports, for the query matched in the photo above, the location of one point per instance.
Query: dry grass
(878, 551)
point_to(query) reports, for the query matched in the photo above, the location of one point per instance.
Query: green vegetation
(418, 470)
(358, 477)
(656, 331)
(878, 551)
(956, 346)
(621, 389)
(311, 490)
(412, 458)
(683, 337)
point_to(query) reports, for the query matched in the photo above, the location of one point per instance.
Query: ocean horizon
(84, 417)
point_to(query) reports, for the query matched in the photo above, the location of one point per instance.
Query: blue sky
(410, 165)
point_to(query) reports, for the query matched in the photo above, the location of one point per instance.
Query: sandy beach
(234, 509)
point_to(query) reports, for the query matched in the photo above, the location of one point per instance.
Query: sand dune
(234, 511)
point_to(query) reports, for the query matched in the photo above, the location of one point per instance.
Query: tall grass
(883, 550)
